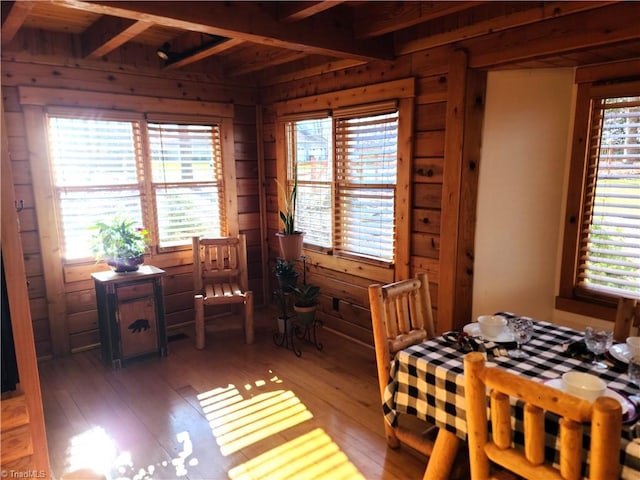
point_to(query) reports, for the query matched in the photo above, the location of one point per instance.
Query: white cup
(633, 343)
(492, 325)
(583, 385)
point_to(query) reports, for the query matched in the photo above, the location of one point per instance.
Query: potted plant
(306, 302)
(289, 238)
(119, 243)
(286, 275)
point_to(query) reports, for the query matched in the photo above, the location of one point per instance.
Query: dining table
(427, 381)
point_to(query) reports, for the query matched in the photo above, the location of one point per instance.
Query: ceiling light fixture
(164, 51)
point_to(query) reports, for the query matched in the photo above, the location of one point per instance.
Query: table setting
(427, 379)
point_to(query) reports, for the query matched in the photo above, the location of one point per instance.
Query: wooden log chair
(220, 278)
(401, 316)
(627, 318)
(604, 415)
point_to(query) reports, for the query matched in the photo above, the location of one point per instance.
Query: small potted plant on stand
(286, 275)
(306, 302)
(120, 244)
(289, 238)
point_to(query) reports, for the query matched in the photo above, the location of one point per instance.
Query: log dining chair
(627, 317)
(220, 278)
(604, 415)
(401, 316)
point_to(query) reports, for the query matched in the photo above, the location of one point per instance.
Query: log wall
(344, 300)
(19, 69)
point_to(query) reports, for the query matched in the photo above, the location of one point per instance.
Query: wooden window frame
(403, 91)
(592, 82)
(36, 101)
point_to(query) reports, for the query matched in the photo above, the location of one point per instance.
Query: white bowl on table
(583, 385)
(492, 325)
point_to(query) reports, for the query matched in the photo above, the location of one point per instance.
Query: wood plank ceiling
(251, 42)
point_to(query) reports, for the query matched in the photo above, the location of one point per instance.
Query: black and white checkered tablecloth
(427, 381)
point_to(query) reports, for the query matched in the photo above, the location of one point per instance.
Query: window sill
(587, 307)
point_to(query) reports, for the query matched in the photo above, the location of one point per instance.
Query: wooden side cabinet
(130, 314)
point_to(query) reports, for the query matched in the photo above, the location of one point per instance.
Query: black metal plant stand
(308, 332)
(285, 338)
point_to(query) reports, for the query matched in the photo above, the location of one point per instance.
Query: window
(346, 167)
(605, 222)
(165, 176)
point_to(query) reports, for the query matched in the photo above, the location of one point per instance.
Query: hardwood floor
(231, 411)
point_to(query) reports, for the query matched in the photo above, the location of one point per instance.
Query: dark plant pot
(290, 245)
(121, 265)
(287, 282)
(306, 315)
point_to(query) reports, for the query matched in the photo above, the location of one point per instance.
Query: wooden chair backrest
(627, 317)
(604, 415)
(401, 316)
(217, 260)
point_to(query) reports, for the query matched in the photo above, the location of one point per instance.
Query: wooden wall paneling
(427, 195)
(432, 89)
(63, 71)
(427, 170)
(430, 144)
(462, 154)
(431, 116)
(21, 320)
(426, 220)
(451, 191)
(426, 245)
(47, 226)
(472, 140)
(403, 188)
(262, 205)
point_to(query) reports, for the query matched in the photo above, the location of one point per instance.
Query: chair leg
(199, 307)
(248, 318)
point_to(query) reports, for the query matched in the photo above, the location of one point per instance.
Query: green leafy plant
(288, 215)
(118, 239)
(307, 295)
(284, 268)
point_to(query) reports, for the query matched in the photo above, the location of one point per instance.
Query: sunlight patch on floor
(312, 455)
(95, 450)
(237, 423)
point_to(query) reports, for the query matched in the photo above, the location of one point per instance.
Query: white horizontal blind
(96, 176)
(366, 150)
(310, 150)
(187, 179)
(610, 239)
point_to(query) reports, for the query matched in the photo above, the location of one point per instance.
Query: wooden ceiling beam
(311, 71)
(109, 33)
(389, 17)
(262, 63)
(414, 41)
(203, 53)
(558, 36)
(295, 11)
(246, 21)
(15, 16)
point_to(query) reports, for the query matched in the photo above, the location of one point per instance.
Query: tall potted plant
(289, 238)
(119, 243)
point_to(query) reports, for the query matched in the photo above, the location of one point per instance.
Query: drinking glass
(598, 342)
(522, 330)
(634, 375)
